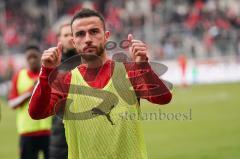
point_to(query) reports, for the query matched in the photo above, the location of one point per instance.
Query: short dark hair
(32, 47)
(85, 13)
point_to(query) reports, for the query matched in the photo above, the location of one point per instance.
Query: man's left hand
(138, 49)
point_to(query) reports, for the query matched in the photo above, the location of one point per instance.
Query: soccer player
(58, 146)
(97, 94)
(34, 134)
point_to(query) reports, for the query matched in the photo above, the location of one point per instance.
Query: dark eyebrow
(94, 29)
(80, 31)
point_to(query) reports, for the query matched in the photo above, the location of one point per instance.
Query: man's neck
(98, 62)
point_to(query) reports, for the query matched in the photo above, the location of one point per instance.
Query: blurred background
(198, 40)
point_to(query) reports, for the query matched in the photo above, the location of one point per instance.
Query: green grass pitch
(213, 131)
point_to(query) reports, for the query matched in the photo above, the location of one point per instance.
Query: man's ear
(107, 35)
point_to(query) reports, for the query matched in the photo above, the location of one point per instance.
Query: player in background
(182, 61)
(58, 146)
(34, 134)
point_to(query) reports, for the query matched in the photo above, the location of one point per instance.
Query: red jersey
(45, 97)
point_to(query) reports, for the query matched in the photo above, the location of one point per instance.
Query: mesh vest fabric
(25, 124)
(96, 123)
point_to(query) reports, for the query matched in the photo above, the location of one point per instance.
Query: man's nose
(88, 38)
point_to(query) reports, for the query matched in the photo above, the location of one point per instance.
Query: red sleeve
(49, 94)
(13, 93)
(147, 84)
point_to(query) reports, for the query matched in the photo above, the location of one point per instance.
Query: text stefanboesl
(159, 115)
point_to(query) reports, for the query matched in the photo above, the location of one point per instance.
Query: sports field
(206, 125)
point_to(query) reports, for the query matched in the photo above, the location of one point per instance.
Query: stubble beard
(93, 56)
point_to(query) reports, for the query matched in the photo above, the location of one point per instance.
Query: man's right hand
(51, 58)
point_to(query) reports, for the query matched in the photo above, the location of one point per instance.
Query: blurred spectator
(211, 24)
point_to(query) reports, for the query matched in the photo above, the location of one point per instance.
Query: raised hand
(51, 58)
(138, 49)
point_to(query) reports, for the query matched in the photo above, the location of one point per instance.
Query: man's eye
(81, 34)
(94, 32)
(67, 35)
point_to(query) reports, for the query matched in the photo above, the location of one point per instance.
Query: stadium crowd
(196, 28)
